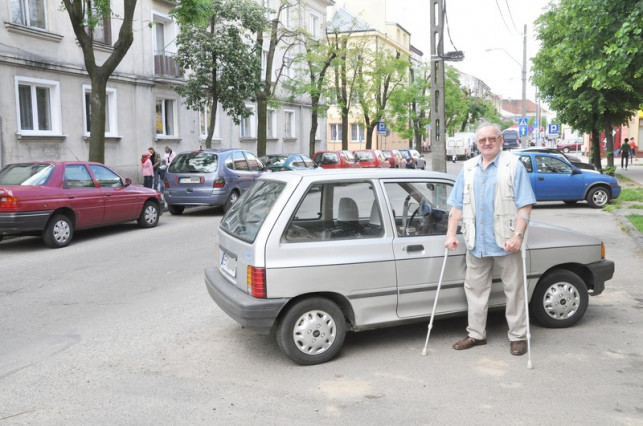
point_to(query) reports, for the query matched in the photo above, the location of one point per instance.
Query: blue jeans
(148, 181)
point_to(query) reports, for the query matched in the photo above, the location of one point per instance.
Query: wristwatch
(519, 235)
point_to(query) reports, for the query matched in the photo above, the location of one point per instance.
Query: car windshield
(195, 162)
(26, 174)
(245, 217)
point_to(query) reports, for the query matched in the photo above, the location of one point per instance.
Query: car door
(420, 213)
(255, 166)
(122, 203)
(83, 196)
(555, 180)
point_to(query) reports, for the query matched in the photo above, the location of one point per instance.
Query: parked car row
(368, 158)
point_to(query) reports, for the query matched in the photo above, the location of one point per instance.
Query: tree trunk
(609, 146)
(97, 120)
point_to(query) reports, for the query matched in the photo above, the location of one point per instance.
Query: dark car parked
(53, 199)
(211, 177)
(414, 160)
(282, 162)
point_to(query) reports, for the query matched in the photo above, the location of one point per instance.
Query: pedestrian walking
(625, 153)
(148, 169)
(156, 163)
(633, 149)
(493, 198)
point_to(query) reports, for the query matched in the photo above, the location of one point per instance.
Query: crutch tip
(530, 366)
(423, 352)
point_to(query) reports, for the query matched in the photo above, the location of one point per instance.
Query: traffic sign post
(522, 130)
(381, 128)
(522, 122)
(553, 129)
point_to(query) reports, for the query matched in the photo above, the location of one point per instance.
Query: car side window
(336, 211)
(526, 161)
(420, 208)
(239, 162)
(253, 162)
(106, 177)
(552, 165)
(77, 176)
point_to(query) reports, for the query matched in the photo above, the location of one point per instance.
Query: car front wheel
(598, 197)
(58, 232)
(312, 331)
(560, 299)
(149, 217)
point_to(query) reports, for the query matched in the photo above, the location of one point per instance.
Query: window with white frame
(336, 132)
(164, 35)
(111, 117)
(264, 63)
(314, 25)
(357, 132)
(271, 123)
(289, 123)
(165, 117)
(246, 126)
(102, 30)
(38, 103)
(205, 116)
(30, 13)
(289, 65)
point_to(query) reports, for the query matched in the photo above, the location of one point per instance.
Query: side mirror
(576, 171)
(128, 181)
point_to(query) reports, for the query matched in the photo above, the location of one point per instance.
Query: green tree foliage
(217, 51)
(85, 16)
(456, 105)
(590, 64)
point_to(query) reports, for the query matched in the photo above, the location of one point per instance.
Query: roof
(344, 22)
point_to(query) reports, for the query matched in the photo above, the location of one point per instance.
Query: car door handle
(415, 247)
(541, 178)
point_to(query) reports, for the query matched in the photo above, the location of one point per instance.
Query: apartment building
(45, 110)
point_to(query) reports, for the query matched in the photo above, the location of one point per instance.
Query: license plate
(190, 179)
(229, 264)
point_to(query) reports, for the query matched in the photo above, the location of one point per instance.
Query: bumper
(21, 222)
(600, 272)
(196, 199)
(258, 315)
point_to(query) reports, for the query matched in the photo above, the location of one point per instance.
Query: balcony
(165, 65)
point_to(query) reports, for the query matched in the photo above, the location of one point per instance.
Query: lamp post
(523, 67)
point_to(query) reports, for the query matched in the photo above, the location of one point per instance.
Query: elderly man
(493, 198)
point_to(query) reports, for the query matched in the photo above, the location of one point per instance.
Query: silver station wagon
(307, 256)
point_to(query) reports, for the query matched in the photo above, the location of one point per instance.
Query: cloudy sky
(477, 25)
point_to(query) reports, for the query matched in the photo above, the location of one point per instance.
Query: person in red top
(633, 149)
(148, 169)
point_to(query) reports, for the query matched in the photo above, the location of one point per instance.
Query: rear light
(8, 202)
(602, 250)
(257, 282)
(219, 183)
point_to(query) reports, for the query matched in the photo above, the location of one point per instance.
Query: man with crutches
(492, 197)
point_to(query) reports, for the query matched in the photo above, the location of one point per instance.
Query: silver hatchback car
(309, 256)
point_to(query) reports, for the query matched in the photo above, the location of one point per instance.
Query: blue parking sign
(381, 127)
(553, 129)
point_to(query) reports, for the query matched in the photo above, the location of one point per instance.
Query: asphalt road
(118, 328)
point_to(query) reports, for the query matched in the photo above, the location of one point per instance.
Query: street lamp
(523, 67)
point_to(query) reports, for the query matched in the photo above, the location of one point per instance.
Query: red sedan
(371, 158)
(53, 199)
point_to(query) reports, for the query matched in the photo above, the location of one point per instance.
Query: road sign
(522, 122)
(381, 127)
(530, 129)
(522, 130)
(553, 129)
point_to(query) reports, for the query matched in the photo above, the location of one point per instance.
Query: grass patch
(637, 221)
(631, 194)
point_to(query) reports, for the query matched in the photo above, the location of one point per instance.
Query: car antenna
(72, 153)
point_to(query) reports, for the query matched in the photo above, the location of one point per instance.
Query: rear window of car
(245, 217)
(195, 162)
(365, 155)
(26, 174)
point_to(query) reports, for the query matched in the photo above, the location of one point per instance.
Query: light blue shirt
(484, 188)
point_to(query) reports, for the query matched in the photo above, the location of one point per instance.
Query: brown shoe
(468, 343)
(519, 347)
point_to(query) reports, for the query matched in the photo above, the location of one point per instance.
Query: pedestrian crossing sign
(522, 121)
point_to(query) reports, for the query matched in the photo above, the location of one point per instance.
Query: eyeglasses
(491, 139)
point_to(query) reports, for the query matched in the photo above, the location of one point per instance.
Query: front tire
(598, 197)
(58, 232)
(312, 331)
(560, 299)
(149, 216)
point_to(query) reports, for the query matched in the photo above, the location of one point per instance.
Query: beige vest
(504, 205)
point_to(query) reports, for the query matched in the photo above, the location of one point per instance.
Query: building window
(30, 13)
(271, 123)
(101, 31)
(204, 123)
(336, 132)
(38, 104)
(164, 35)
(313, 26)
(165, 117)
(357, 132)
(289, 124)
(111, 118)
(246, 126)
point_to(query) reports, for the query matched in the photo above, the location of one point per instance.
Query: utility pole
(438, 129)
(524, 75)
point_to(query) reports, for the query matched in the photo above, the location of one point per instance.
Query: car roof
(57, 163)
(324, 175)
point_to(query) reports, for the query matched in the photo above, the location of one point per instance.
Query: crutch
(435, 302)
(523, 250)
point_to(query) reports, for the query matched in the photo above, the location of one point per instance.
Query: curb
(628, 227)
